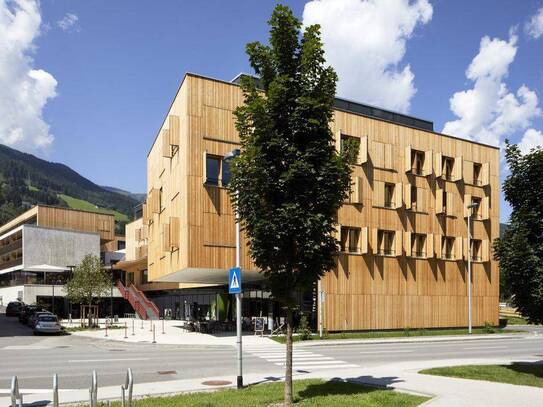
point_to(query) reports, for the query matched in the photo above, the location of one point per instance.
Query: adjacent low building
(39, 248)
(403, 229)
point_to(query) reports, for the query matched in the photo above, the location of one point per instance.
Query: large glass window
(213, 165)
(225, 173)
(144, 278)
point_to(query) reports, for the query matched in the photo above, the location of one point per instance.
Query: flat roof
(345, 105)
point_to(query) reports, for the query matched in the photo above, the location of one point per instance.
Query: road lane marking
(338, 366)
(105, 360)
(300, 359)
(486, 347)
(388, 351)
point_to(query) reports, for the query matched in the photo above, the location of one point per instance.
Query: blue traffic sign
(234, 281)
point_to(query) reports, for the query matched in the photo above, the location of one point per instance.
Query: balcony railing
(476, 258)
(477, 182)
(447, 256)
(417, 171)
(11, 263)
(385, 252)
(421, 255)
(389, 204)
(11, 247)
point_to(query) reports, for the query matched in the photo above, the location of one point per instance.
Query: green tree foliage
(89, 282)
(520, 249)
(289, 177)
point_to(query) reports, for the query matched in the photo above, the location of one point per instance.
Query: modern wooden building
(403, 230)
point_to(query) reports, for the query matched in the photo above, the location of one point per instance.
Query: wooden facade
(403, 229)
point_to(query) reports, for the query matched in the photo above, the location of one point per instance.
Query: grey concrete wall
(54, 247)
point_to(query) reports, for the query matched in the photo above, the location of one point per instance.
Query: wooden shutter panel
(458, 169)
(166, 147)
(429, 245)
(438, 246)
(174, 232)
(398, 195)
(438, 164)
(421, 200)
(363, 150)
(458, 248)
(363, 240)
(468, 172)
(407, 243)
(144, 232)
(450, 203)
(398, 243)
(204, 168)
(485, 248)
(407, 196)
(375, 240)
(485, 208)
(466, 248)
(378, 196)
(173, 123)
(338, 141)
(428, 162)
(166, 246)
(467, 202)
(407, 159)
(389, 159)
(337, 232)
(485, 174)
(377, 154)
(439, 200)
(145, 214)
(154, 201)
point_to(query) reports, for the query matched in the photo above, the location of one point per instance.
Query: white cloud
(534, 27)
(68, 23)
(24, 91)
(488, 112)
(531, 139)
(365, 41)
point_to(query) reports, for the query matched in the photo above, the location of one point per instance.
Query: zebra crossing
(301, 359)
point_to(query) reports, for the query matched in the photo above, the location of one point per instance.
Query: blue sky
(109, 69)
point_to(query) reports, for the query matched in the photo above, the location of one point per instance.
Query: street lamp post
(228, 157)
(470, 209)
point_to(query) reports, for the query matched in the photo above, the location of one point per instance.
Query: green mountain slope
(26, 180)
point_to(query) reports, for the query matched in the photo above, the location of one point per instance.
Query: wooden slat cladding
(368, 291)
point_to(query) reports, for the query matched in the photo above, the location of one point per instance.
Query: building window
(213, 168)
(385, 243)
(448, 165)
(476, 210)
(417, 162)
(389, 195)
(477, 169)
(130, 277)
(447, 247)
(418, 244)
(160, 200)
(226, 174)
(143, 274)
(350, 238)
(475, 250)
(414, 198)
(121, 245)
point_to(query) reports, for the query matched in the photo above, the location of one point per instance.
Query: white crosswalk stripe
(301, 359)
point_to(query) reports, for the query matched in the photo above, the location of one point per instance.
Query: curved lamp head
(232, 154)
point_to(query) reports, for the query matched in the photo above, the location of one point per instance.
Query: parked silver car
(47, 324)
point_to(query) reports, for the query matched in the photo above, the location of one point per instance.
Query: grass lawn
(81, 204)
(399, 334)
(306, 393)
(527, 374)
(513, 320)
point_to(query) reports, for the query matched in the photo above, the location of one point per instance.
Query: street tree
(88, 283)
(289, 181)
(520, 249)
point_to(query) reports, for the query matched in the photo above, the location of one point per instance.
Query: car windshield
(47, 318)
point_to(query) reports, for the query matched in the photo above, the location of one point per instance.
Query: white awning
(47, 268)
(207, 276)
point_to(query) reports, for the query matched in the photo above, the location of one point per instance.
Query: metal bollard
(106, 330)
(150, 325)
(154, 341)
(133, 327)
(70, 319)
(15, 394)
(93, 391)
(163, 327)
(55, 390)
(125, 331)
(127, 387)
(142, 323)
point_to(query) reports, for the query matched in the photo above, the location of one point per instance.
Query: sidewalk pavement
(174, 334)
(445, 392)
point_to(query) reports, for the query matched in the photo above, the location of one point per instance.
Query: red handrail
(149, 303)
(133, 300)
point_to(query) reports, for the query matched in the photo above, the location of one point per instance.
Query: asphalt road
(35, 359)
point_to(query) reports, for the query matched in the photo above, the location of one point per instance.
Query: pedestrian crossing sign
(234, 281)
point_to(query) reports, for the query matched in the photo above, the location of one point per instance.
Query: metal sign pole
(238, 312)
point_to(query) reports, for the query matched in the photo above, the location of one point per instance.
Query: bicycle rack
(127, 387)
(15, 394)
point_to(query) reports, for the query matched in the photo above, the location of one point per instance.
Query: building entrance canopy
(46, 268)
(208, 276)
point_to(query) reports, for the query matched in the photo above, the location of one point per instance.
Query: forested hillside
(26, 180)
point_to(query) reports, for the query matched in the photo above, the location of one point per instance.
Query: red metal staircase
(144, 307)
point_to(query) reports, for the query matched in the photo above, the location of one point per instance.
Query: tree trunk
(288, 369)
